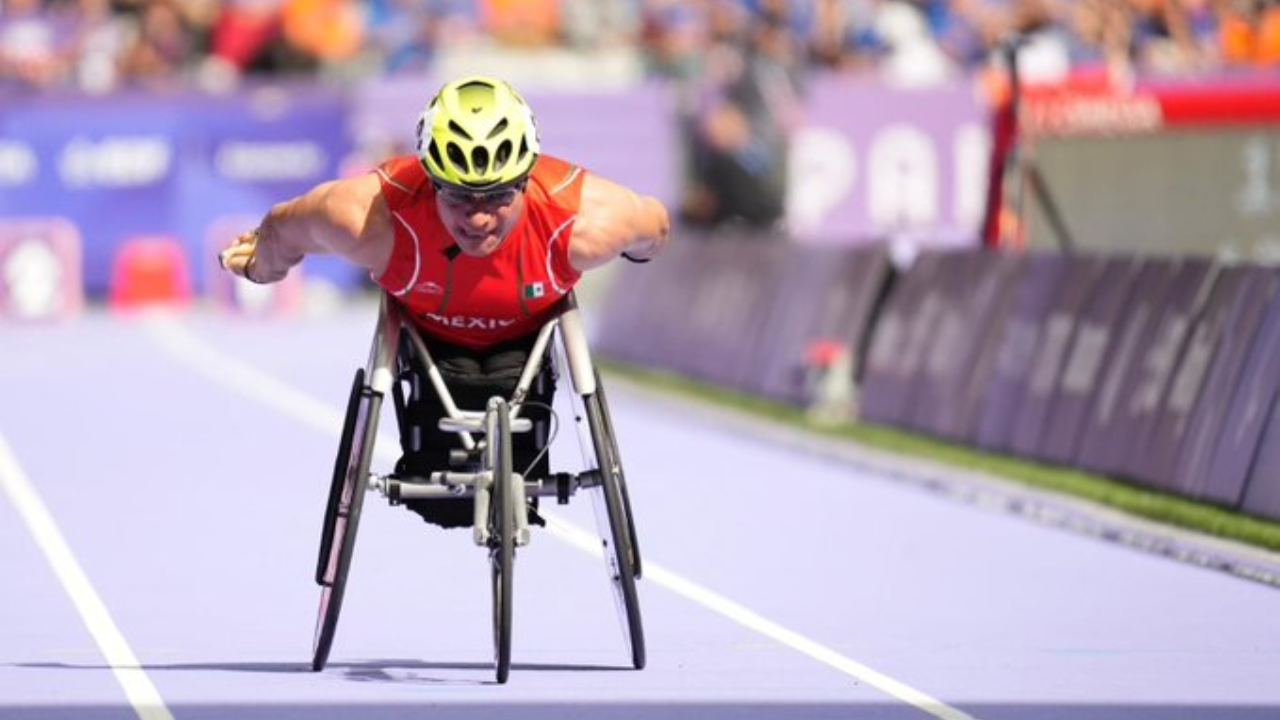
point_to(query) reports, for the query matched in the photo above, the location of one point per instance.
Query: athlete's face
(479, 222)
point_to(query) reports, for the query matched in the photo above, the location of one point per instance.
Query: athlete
(479, 237)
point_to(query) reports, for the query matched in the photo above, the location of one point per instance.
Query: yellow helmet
(477, 132)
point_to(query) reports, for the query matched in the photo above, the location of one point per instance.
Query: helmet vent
(434, 150)
(502, 125)
(502, 155)
(455, 127)
(480, 160)
(524, 149)
(457, 157)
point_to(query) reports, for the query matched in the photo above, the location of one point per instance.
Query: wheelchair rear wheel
(501, 534)
(342, 511)
(622, 477)
(619, 551)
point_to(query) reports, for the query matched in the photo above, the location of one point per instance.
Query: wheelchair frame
(500, 516)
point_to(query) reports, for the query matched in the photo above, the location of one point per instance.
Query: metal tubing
(462, 485)
(532, 367)
(437, 382)
(386, 343)
(574, 338)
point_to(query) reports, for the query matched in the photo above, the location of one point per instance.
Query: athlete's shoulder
(557, 182)
(403, 178)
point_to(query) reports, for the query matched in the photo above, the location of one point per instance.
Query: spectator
(102, 40)
(1250, 32)
(37, 45)
(521, 22)
(328, 31)
(750, 101)
(162, 48)
(912, 56)
(1162, 37)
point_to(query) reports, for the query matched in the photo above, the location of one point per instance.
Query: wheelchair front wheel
(619, 553)
(501, 533)
(342, 512)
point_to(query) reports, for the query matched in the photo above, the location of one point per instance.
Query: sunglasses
(458, 197)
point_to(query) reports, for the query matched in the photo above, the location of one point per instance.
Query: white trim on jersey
(387, 178)
(417, 256)
(551, 251)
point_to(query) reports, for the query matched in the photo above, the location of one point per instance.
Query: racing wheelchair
(482, 470)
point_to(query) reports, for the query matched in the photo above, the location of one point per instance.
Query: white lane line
(590, 543)
(253, 383)
(138, 688)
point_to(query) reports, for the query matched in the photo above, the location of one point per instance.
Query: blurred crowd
(739, 67)
(100, 45)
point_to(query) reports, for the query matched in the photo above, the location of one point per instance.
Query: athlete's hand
(240, 258)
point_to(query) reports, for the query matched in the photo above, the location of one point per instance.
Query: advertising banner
(896, 341)
(1054, 347)
(1206, 420)
(962, 413)
(1091, 348)
(1246, 417)
(1019, 341)
(139, 164)
(1174, 413)
(1262, 494)
(1191, 293)
(960, 277)
(1104, 439)
(870, 161)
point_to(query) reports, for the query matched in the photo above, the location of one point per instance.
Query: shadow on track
(363, 670)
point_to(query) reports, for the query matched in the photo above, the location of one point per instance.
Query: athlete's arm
(344, 217)
(613, 219)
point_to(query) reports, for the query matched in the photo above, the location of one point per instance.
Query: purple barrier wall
(1094, 344)
(1017, 349)
(1242, 427)
(1102, 443)
(892, 359)
(643, 308)
(960, 277)
(740, 312)
(1054, 346)
(737, 283)
(1191, 470)
(825, 294)
(1155, 465)
(1145, 391)
(1262, 496)
(961, 415)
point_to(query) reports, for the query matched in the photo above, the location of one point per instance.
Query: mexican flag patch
(533, 291)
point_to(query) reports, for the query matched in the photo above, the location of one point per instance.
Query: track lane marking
(248, 380)
(138, 688)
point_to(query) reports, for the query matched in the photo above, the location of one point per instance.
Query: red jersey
(478, 302)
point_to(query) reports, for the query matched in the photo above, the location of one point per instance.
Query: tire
(607, 416)
(618, 551)
(501, 539)
(342, 512)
